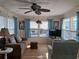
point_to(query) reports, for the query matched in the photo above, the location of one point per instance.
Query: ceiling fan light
(38, 22)
(38, 12)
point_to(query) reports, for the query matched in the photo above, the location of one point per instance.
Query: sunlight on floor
(40, 56)
(28, 46)
(47, 55)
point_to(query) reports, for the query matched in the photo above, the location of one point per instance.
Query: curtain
(27, 27)
(61, 23)
(77, 26)
(50, 24)
(15, 26)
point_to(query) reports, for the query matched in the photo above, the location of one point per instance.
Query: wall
(5, 12)
(57, 18)
(72, 12)
(20, 32)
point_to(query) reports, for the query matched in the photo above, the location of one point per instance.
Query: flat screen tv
(56, 33)
(2, 43)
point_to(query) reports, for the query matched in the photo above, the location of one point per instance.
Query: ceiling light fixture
(38, 22)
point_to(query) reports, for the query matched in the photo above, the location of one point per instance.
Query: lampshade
(38, 21)
(4, 32)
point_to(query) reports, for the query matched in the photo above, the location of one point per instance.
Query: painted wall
(71, 12)
(5, 12)
(57, 18)
(20, 32)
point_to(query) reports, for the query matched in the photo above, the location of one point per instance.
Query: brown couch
(18, 50)
(16, 54)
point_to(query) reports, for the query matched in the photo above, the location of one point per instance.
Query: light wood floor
(40, 53)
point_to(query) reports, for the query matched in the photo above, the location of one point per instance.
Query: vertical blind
(66, 24)
(69, 28)
(11, 25)
(7, 23)
(2, 22)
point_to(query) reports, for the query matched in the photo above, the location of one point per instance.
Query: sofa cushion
(19, 39)
(12, 40)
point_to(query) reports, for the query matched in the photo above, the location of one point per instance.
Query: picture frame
(56, 25)
(21, 25)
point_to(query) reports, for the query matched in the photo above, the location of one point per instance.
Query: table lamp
(4, 34)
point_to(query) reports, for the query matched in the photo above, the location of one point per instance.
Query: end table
(6, 51)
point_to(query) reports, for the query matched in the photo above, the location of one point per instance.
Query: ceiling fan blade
(27, 12)
(24, 8)
(44, 10)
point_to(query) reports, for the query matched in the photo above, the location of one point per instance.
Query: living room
(34, 28)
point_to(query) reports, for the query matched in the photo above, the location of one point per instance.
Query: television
(55, 33)
(2, 43)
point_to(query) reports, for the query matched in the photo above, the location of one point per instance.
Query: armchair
(64, 50)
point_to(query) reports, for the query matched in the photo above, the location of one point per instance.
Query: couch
(18, 49)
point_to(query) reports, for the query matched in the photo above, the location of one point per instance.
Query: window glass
(66, 24)
(41, 30)
(44, 25)
(33, 25)
(74, 23)
(11, 25)
(71, 25)
(3, 22)
(7, 23)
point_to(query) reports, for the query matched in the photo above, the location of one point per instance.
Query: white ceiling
(57, 7)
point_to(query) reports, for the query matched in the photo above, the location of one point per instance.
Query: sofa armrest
(16, 53)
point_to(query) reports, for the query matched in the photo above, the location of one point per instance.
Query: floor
(40, 53)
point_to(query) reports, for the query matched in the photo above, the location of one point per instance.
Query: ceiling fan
(36, 8)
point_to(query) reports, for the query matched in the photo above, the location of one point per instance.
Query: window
(33, 29)
(11, 25)
(33, 25)
(44, 29)
(41, 30)
(69, 24)
(74, 23)
(66, 24)
(7, 23)
(44, 25)
(3, 22)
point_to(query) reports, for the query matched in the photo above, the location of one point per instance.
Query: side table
(33, 45)
(5, 52)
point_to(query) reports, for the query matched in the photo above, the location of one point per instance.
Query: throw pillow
(19, 39)
(12, 40)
